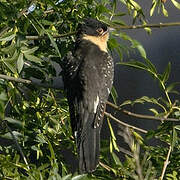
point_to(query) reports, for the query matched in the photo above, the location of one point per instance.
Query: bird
(88, 72)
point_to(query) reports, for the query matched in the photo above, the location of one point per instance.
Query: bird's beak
(110, 29)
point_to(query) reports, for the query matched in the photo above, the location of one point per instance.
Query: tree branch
(26, 81)
(166, 162)
(17, 144)
(124, 124)
(141, 116)
(160, 25)
(46, 37)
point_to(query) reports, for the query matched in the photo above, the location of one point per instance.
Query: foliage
(34, 120)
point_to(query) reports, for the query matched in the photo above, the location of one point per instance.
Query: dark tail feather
(89, 145)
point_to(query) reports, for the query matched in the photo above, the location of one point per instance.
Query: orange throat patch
(100, 41)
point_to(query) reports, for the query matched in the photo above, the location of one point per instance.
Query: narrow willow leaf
(154, 111)
(14, 121)
(153, 8)
(20, 62)
(176, 4)
(177, 127)
(30, 51)
(32, 58)
(110, 145)
(53, 43)
(12, 59)
(10, 66)
(174, 138)
(127, 102)
(111, 129)
(171, 87)
(135, 64)
(116, 159)
(115, 145)
(141, 50)
(165, 75)
(151, 66)
(78, 177)
(164, 11)
(67, 177)
(138, 137)
(8, 37)
(114, 94)
(51, 150)
(135, 4)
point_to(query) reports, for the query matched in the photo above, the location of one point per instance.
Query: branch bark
(124, 124)
(141, 116)
(166, 162)
(160, 25)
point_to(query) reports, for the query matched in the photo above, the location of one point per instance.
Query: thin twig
(160, 25)
(18, 80)
(26, 81)
(125, 124)
(166, 162)
(141, 116)
(46, 37)
(105, 166)
(17, 145)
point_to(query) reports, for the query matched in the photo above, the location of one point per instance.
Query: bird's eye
(100, 30)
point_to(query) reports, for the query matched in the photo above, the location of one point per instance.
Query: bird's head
(93, 27)
(94, 31)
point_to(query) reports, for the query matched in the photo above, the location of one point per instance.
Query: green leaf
(116, 159)
(176, 4)
(114, 94)
(20, 62)
(10, 66)
(30, 51)
(134, 44)
(54, 44)
(8, 36)
(135, 64)
(13, 58)
(13, 121)
(8, 135)
(154, 111)
(115, 145)
(32, 58)
(153, 8)
(79, 177)
(164, 11)
(174, 138)
(177, 127)
(151, 66)
(3, 96)
(127, 102)
(51, 151)
(67, 177)
(111, 129)
(135, 4)
(165, 75)
(171, 87)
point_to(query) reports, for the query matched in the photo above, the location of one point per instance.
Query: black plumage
(88, 77)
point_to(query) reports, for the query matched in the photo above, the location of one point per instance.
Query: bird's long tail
(89, 145)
